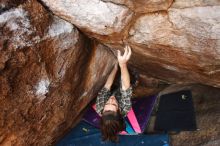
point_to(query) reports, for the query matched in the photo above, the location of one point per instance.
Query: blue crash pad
(85, 134)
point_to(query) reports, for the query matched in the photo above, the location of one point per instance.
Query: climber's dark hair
(111, 124)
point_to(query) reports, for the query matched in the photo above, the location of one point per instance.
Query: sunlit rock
(97, 16)
(182, 41)
(144, 6)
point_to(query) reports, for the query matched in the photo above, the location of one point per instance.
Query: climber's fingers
(129, 53)
(119, 53)
(125, 52)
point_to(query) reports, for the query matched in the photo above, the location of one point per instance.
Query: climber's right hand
(123, 59)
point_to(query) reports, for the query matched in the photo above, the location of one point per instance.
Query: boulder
(49, 72)
(56, 55)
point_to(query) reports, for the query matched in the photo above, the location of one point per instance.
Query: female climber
(114, 104)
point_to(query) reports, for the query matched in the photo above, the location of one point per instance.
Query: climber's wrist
(123, 65)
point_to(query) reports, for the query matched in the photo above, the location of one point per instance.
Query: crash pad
(85, 134)
(176, 112)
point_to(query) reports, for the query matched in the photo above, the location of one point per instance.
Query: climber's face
(111, 105)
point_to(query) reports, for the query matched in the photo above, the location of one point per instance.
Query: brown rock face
(181, 42)
(50, 71)
(7, 4)
(96, 16)
(143, 6)
(177, 42)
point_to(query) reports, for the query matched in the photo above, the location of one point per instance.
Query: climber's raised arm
(122, 60)
(111, 77)
(104, 93)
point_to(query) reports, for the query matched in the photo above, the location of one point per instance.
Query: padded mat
(176, 112)
(85, 134)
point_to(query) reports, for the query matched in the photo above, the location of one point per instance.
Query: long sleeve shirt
(123, 97)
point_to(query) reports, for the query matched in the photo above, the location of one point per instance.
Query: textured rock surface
(48, 74)
(7, 4)
(185, 43)
(143, 6)
(50, 71)
(196, 3)
(178, 44)
(94, 15)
